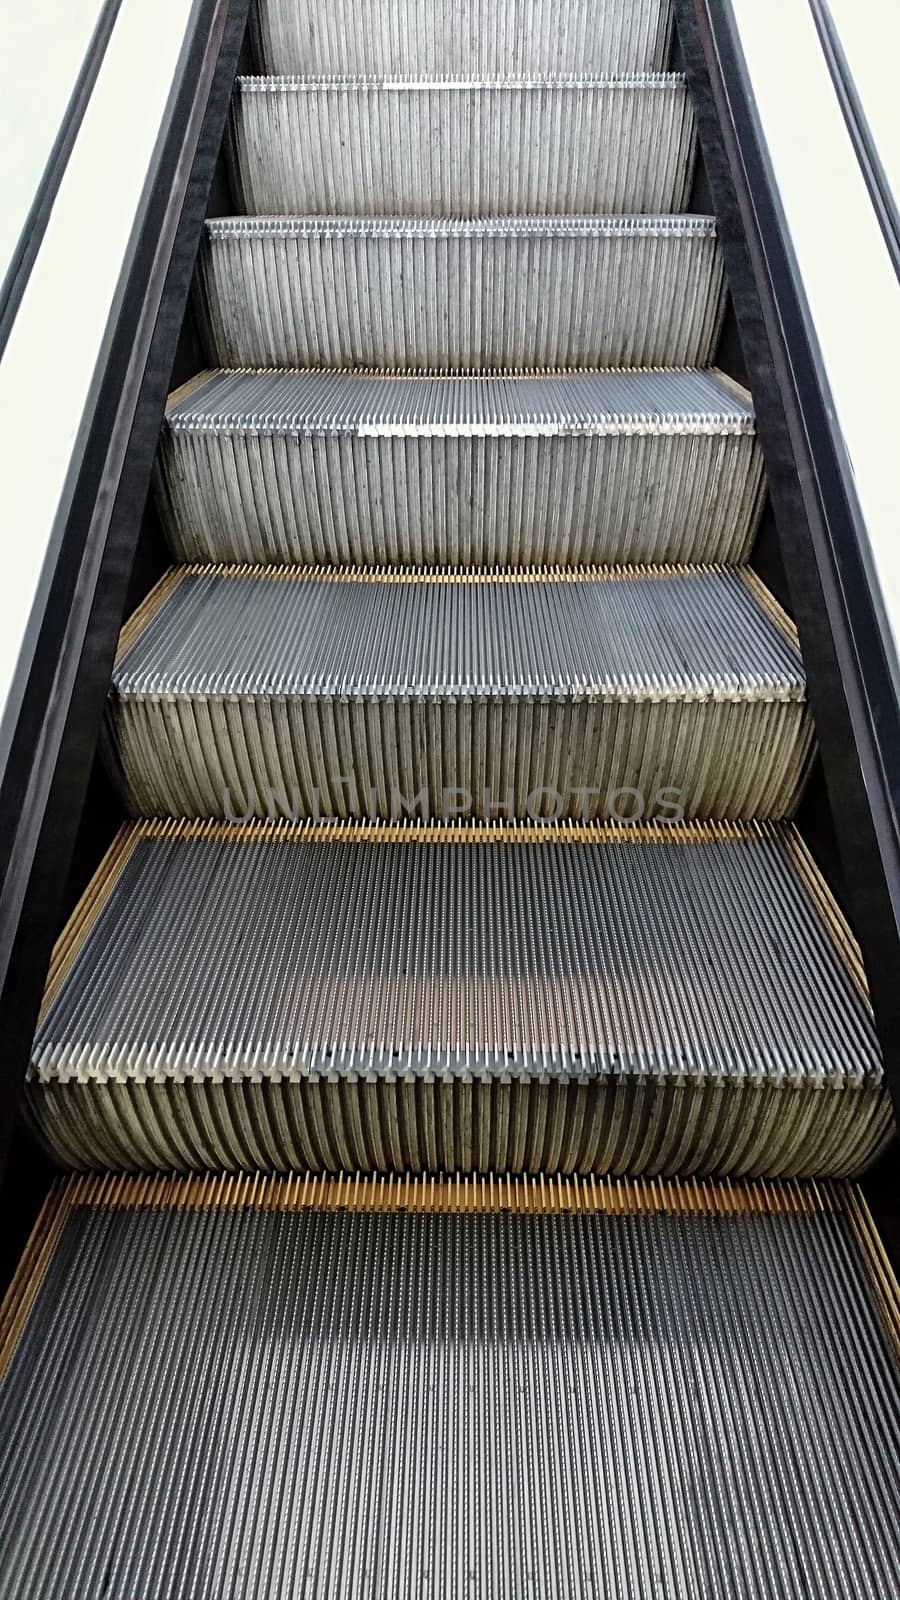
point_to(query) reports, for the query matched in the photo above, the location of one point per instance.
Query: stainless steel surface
(448, 147)
(670, 1003)
(324, 1404)
(503, 292)
(463, 37)
(523, 470)
(214, 1393)
(540, 403)
(653, 690)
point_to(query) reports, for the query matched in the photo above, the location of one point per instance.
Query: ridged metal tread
(452, 147)
(464, 37)
(461, 1407)
(517, 291)
(666, 999)
(541, 403)
(350, 692)
(529, 469)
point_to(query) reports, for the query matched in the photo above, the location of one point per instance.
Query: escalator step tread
(542, 404)
(255, 1402)
(614, 633)
(672, 998)
(508, 292)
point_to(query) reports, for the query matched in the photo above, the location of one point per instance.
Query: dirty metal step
(449, 147)
(537, 469)
(588, 693)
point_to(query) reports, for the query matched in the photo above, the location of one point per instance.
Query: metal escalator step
(668, 998)
(505, 292)
(577, 693)
(454, 148)
(464, 38)
(520, 470)
(238, 1391)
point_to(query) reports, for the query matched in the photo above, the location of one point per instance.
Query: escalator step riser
(263, 755)
(563, 292)
(363, 146)
(624, 694)
(310, 1403)
(463, 38)
(384, 999)
(243, 1124)
(340, 468)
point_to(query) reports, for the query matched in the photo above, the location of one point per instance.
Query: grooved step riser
(265, 756)
(708, 1129)
(465, 38)
(359, 148)
(488, 301)
(307, 499)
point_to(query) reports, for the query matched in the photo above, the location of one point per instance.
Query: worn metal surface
(463, 37)
(254, 1405)
(507, 292)
(338, 467)
(337, 691)
(448, 147)
(231, 1392)
(667, 1000)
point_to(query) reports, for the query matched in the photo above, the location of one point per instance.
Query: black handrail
(29, 243)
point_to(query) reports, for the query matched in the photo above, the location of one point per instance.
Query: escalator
(462, 1066)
